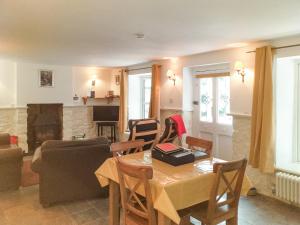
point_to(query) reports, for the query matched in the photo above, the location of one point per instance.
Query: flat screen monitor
(106, 113)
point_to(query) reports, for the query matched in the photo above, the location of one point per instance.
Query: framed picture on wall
(46, 78)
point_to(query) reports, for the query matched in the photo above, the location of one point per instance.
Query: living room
(73, 95)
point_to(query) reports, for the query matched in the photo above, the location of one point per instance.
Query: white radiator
(288, 187)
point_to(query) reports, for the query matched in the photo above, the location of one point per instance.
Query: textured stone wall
(7, 120)
(14, 121)
(241, 145)
(77, 120)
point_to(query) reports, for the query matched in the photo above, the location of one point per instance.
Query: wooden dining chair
(218, 209)
(126, 147)
(145, 129)
(170, 132)
(137, 210)
(194, 143)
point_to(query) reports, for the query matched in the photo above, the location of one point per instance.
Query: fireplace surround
(44, 122)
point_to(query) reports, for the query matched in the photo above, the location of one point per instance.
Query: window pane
(147, 95)
(146, 112)
(134, 98)
(206, 96)
(223, 99)
(147, 82)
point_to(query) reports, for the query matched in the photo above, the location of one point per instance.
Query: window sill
(293, 168)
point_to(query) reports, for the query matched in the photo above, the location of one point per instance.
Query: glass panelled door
(211, 117)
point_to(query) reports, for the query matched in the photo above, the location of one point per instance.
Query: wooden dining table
(173, 188)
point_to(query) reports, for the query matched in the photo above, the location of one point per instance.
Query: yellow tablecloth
(173, 188)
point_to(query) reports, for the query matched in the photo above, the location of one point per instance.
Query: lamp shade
(170, 73)
(238, 66)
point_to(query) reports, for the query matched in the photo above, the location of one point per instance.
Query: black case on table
(175, 159)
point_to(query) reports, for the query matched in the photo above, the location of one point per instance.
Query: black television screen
(106, 113)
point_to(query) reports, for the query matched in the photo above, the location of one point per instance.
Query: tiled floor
(22, 208)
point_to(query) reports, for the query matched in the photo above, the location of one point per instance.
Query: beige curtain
(262, 131)
(154, 109)
(123, 101)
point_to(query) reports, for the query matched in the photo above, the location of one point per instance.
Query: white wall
(187, 95)
(241, 93)
(7, 83)
(19, 84)
(105, 81)
(29, 91)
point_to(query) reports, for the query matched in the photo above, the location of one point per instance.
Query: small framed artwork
(46, 78)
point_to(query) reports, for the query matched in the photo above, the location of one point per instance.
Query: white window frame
(296, 145)
(288, 158)
(215, 106)
(143, 90)
(142, 79)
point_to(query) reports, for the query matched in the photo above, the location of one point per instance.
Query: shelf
(109, 99)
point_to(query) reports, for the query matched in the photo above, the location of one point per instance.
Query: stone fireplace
(44, 122)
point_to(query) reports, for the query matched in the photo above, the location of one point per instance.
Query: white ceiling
(101, 32)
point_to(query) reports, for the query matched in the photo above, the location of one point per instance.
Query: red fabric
(14, 140)
(167, 147)
(179, 124)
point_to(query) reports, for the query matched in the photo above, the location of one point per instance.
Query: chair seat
(199, 212)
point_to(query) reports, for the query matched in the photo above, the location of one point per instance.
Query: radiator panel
(288, 187)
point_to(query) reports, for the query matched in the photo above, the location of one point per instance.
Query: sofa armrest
(36, 162)
(11, 154)
(4, 139)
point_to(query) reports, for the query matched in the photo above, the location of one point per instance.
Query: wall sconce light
(117, 79)
(239, 67)
(94, 78)
(171, 75)
(93, 84)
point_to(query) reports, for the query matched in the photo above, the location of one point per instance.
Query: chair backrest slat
(194, 143)
(229, 175)
(147, 130)
(132, 203)
(126, 147)
(170, 132)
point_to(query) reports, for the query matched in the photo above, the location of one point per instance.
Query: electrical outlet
(171, 100)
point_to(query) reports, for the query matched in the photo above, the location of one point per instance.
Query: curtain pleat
(123, 101)
(154, 109)
(262, 131)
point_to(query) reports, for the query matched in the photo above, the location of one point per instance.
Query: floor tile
(22, 208)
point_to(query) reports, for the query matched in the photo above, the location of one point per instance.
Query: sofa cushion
(4, 139)
(55, 145)
(74, 143)
(11, 153)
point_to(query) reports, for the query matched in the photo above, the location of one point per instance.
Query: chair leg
(232, 221)
(186, 220)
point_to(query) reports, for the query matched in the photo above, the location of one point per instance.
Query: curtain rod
(287, 46)
(149, 67)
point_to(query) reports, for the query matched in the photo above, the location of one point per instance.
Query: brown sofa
(66, 169)
(11, 161)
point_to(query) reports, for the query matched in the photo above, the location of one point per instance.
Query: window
(287, 100)
(146, 96)
(214, 100)
(139, 94)
(223, 103)
(206, 99)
